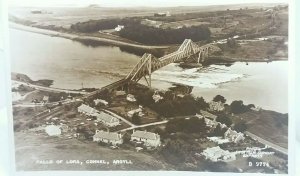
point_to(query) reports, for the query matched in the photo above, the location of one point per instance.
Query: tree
(136, 119)
(218, 131)
(201, 103)
(240, 126)
(224, 120)
(219, 98)
(237, 107)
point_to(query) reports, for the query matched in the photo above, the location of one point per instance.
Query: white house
(120, 93)
(150, 139)
(156, 97)
(217, 154)
(97, 101)
(85, 109)
(130, 98)
(45, 99)
(256, 108)
(139, 111)
(216, 106)
(108, 137)
(208, 115)
(234, 136)
(107, 119)
(119, 28)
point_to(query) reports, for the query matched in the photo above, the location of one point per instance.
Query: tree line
(151, 35)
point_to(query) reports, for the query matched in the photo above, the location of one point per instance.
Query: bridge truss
(148, 63)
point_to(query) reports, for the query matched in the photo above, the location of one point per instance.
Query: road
(32, 105)
(270, 144)
(51, 89)
(145, 125)
(76, 36)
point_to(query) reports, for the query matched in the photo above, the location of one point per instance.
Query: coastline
(80, 37)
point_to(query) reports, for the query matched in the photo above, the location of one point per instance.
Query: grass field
(30, 147)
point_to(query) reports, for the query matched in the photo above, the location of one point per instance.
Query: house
(119, 28)
(217, 154)
(234, 136)
(162, 14)
(45, 99)
(150, 139)
(208, 115)
(210, 123)
(85, 109)
(256, 108)
(156, 97)
(97, 101)
(120, 93)
(112, 138)
(138, 111)
(107, 119)
(216, 106)
(130, 98)
(53, 130)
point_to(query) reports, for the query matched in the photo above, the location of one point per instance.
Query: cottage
(119, 28)
(156, 97)
(216, 106)
(217, 154)
(53, 130)
(112, 138)
(107, 119)
(210, 123)
(120, 93)
(150, 139)
(130, 98)
(208, 115)
(256, 108)
(85, 109)
(138, 111)
(234, 136)
(45, 99)
(97, 101)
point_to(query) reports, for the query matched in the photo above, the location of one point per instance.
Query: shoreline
(76, 37)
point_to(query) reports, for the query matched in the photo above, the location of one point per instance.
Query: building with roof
(138, 111)
(234, 136)
(120, 93)
(119, 28)
(150, 139)
(85, 109)
(107, 119)
(208, 115)
(130, 98)
(45, 99)
(156, 97)
(217, 154)
(97, 101)
(112, 138)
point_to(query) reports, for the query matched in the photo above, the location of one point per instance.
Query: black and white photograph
(170, 86)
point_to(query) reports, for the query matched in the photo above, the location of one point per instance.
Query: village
(122, 120)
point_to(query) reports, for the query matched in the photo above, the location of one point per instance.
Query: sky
(132, 3)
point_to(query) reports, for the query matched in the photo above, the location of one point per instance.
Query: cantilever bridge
(148, 63)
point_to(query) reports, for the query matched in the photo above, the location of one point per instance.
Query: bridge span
(148, 63)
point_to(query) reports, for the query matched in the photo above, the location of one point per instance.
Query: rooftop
(106, 117)
(86, 108)
(108, 135)
(145, 134)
